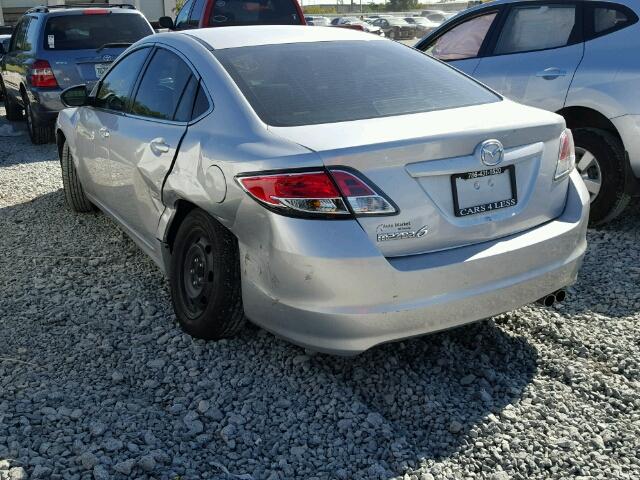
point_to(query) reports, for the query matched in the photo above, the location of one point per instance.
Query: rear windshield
(326, 82)
(75, 32)
(257, 12)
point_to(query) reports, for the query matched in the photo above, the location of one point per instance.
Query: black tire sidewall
(610, 156)
(221, 310)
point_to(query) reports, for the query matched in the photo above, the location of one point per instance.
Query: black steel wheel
(205, 278)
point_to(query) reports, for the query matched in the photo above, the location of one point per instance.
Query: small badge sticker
(51, 41)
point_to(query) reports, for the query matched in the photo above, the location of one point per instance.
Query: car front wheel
(205, 278)
(601, 162)
(73, 192)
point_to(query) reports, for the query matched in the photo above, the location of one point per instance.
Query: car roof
(246, 36)
(52, 11)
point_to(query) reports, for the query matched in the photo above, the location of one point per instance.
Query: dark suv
(56, 47)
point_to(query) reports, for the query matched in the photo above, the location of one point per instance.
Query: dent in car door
(147, 140)
(536, 54)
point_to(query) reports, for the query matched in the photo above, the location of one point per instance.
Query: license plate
(483, 191)
(101, 68)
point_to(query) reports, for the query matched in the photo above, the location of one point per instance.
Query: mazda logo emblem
(491, 152)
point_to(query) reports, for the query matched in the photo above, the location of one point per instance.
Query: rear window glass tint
(76, 32)
(606, 19)
(201, 104)
(258, 12)
(327, 82)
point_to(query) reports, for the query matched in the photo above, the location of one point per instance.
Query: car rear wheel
(39, 134)
(205, 278)
(601, 163)
(74, 195)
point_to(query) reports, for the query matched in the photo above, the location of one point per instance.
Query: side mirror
(76, 96)
(166, 22)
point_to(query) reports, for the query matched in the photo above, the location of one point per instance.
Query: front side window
(114, 92)
(254, 12)
(542, 27)
(464, 40)
(163, 84)
(78, 32)
(182, 20)
(327, 82)
(196, 13)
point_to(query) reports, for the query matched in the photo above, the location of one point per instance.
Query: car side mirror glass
(76, 96)
(166, 22)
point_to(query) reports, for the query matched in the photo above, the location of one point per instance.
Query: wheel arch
(585, 117)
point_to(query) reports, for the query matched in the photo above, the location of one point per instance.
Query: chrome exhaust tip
(560, 295)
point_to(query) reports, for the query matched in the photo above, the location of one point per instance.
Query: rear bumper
(45, 104)
(326, 287)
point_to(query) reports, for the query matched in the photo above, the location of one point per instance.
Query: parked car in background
(356, 24)
(6, 30)
(396, 28)
(4, 47)
(58, 46)
(577, 58)
(422, 25)
(437, 16)
(217, 13)
(317, 21)
(324, 164)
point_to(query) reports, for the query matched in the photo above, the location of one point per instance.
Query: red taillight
(317, 193)
(311, 192)
(95, 11)
(42, 74)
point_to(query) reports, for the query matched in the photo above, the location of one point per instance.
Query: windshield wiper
(114, 44)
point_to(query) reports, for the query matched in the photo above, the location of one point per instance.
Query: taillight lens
(336, 194)
(308, 192)
(362, 199)
(96, 11)
(566, 155)
(42, 74)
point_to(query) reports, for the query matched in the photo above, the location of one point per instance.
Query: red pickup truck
(222, 13)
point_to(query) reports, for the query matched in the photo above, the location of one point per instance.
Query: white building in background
(10, 10)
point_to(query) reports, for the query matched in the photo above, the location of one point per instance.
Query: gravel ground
(97, 380)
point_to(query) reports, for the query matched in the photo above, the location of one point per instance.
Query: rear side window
(162, 87)
(20, 35)
(90, 32)
(182, 20)
(541, 27)
(463, 40)
(609, 19)
(326, 82)
(115, 90)
(257, 12)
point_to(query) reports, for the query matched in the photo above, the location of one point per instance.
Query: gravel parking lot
(97, 380)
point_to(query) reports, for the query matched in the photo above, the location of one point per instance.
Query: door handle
(551, 73)
(158, 146)
(104, 133)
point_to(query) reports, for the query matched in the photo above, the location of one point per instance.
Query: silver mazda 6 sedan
(338, 189)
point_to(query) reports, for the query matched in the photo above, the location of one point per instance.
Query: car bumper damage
(323, 285)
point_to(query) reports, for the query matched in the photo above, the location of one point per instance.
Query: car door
(147, 138)
(462, 44)
(535, 53)
(13, 63)
(109, 100)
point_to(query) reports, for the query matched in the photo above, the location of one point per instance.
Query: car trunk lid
(414, 160)
(74, 67)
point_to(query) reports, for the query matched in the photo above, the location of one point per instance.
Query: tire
(608, 152)
(13, 112)
(38, 134)
(74, 195)
(205, 278)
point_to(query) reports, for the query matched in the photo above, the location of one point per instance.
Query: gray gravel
(97, 381)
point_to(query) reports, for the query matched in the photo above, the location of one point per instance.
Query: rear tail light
(95, 11)
(339, 194)
(42, 74)
(566, 155)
